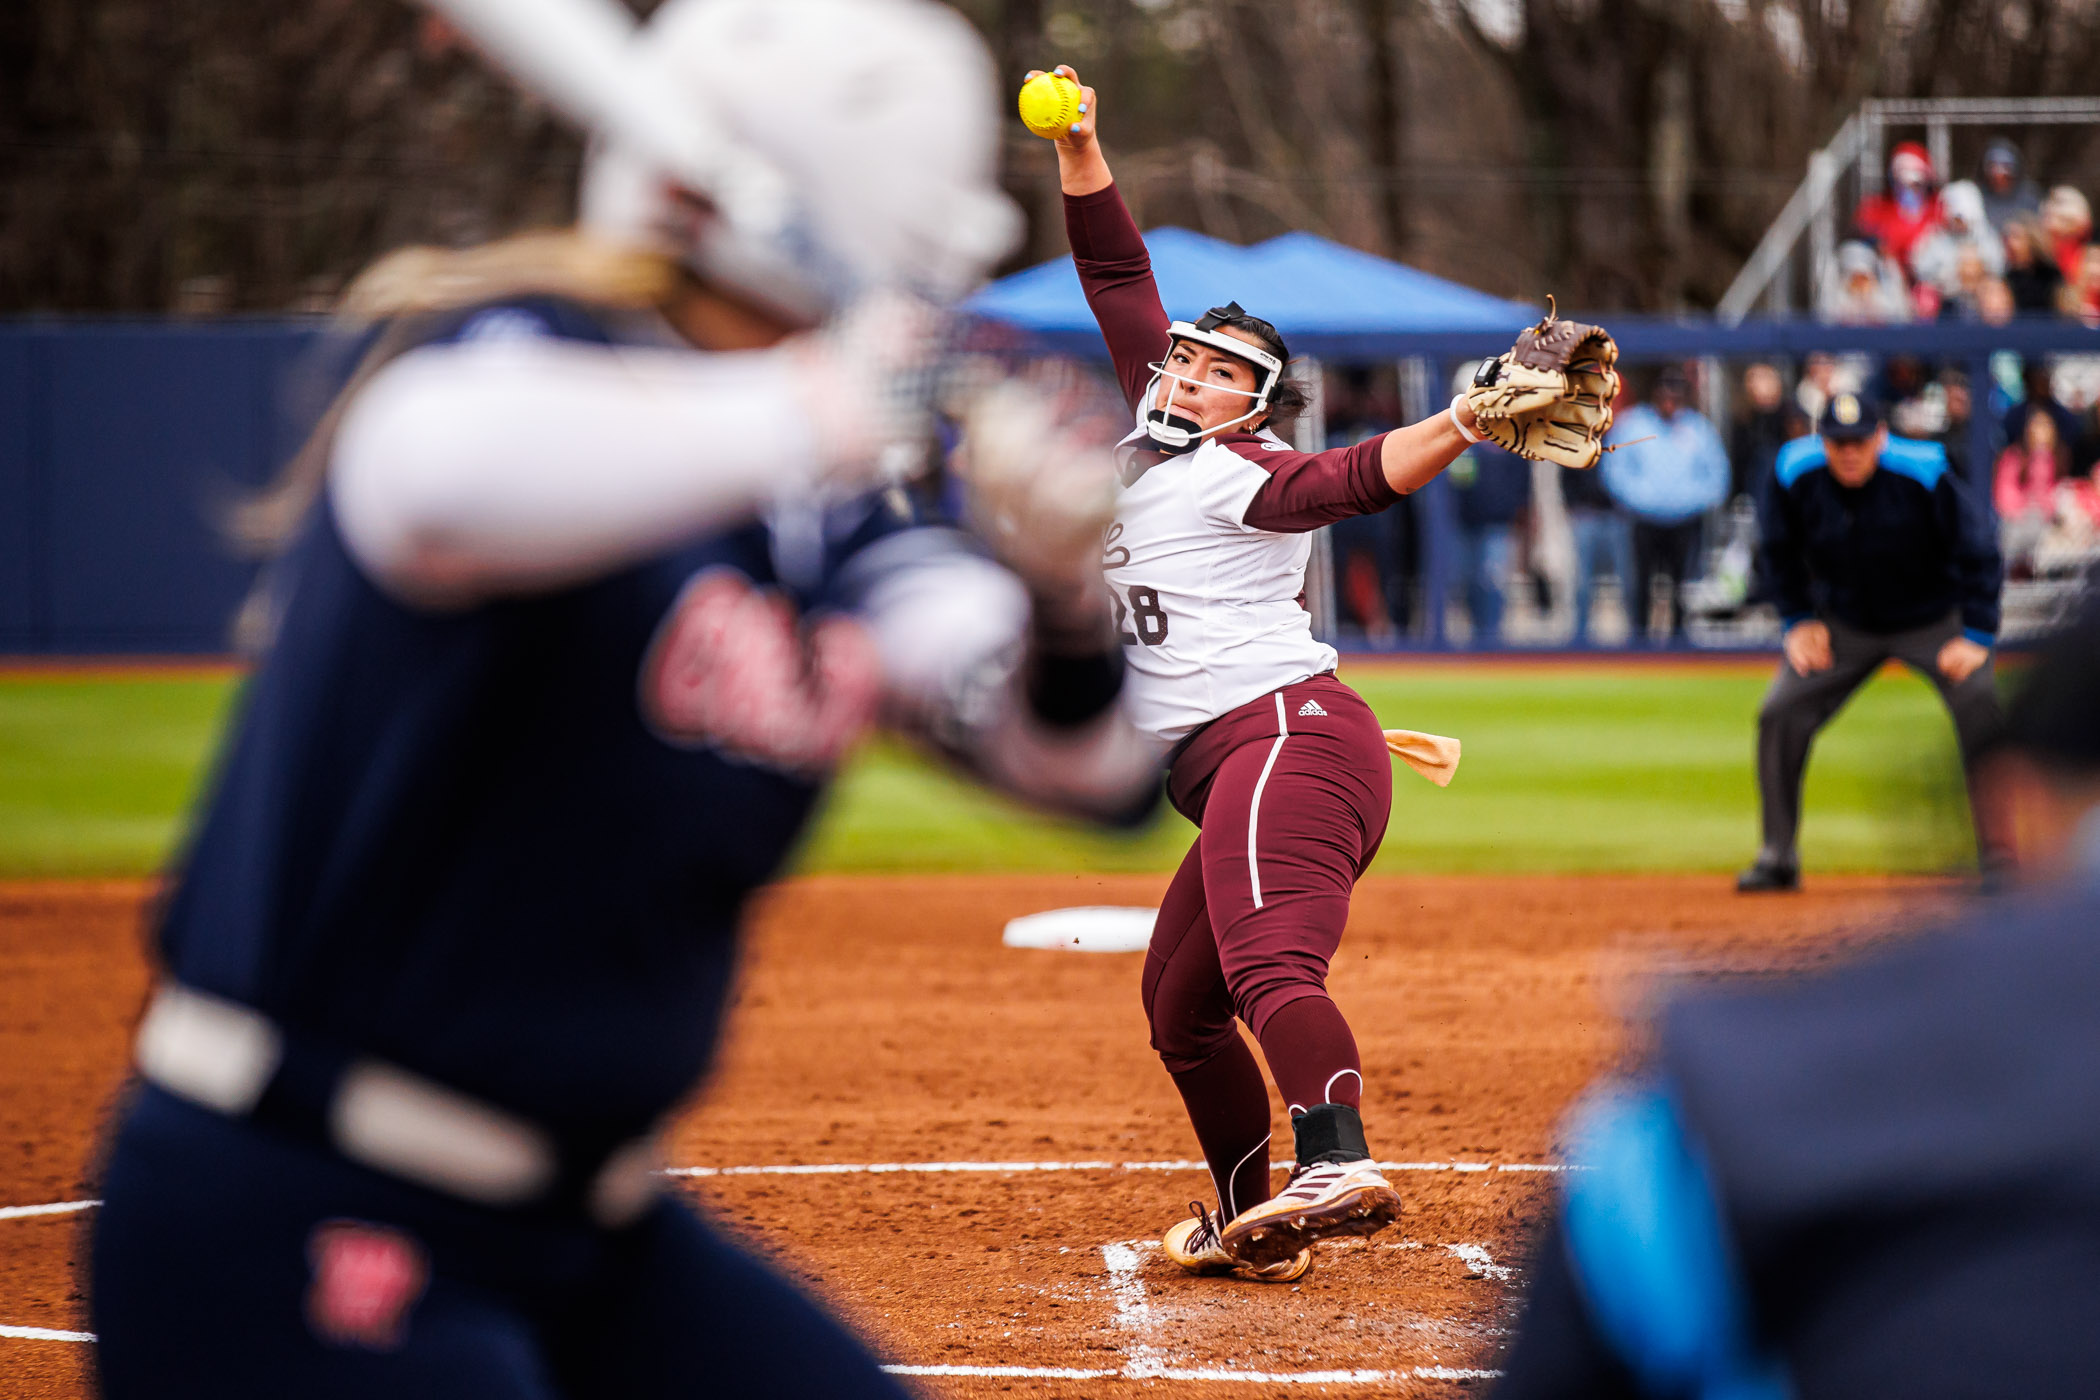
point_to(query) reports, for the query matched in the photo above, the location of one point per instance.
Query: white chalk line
(49, 1208)
(1181, 1373)
(45, 1334)
(941, 1168)
(936, 1169)
(1133, 1312)
(1148, 1362)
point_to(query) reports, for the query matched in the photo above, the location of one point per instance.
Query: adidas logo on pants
(1310, 707)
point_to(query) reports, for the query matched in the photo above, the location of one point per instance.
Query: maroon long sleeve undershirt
(1115, 272)
(1305, 490)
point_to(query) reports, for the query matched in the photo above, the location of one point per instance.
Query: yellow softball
(1049, 104)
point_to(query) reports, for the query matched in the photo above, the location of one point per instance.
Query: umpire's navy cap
(1848, 417)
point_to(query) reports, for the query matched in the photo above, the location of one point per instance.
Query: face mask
(1176, 432)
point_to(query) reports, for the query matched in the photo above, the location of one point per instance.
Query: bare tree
(242, 154)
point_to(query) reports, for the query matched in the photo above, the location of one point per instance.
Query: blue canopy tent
(1328, 300)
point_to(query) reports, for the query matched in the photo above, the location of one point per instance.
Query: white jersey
(1208, 606)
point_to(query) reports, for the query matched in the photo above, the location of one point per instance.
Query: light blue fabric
(1300, 282)
(1652, 1256)
(1923, 462)
(1481, 557)
(1605, 538)
(1798, 458)
(1681, 472)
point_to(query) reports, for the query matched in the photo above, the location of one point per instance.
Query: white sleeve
(952, 631)
(1225, 484)
(463, 471)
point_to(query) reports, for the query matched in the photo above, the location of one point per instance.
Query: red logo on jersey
(734, 668)
(365, 1279)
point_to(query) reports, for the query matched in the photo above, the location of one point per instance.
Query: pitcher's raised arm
(1115, 271)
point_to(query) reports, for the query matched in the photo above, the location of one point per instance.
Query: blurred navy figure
(1493, 489)
(1603, 538)
(1667, 482)
(1882, 1181)
(2008, 193)
(1761, 429)
(1373, 554)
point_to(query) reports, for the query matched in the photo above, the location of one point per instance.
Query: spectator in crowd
(1761, 429)
(1669, 468)
(1603, 538)
(2078, 507)
(2007, 192)
(1965, 301)
(2030, 271)
(1370, 551)
(2081, 295)
(1866, 289)
(1820, 378)
(1963, 233)
(2067, 224)
(2041, 398)
(1954, 433)
(1493, 488)
(1994, 302)
(2071, 544)
(2023, 486)
(1896, 219)
(1917, 405)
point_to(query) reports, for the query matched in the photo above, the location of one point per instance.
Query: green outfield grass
(1578, 769)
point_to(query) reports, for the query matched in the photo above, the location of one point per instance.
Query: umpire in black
(1874, 550)
(1882, 1181)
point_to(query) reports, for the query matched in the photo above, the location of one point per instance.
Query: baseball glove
(1549, 396)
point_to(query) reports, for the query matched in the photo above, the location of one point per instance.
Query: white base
(1092, 928)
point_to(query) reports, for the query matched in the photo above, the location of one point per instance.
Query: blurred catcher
(589, 580)
(1283, 767)
(1881, 1181)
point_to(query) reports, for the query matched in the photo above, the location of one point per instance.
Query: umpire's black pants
(1797, 706)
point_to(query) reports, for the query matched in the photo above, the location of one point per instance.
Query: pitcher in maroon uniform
(1282, 765)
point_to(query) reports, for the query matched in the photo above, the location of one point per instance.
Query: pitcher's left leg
(1292, 822)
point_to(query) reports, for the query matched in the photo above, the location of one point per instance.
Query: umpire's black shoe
(1768, 877)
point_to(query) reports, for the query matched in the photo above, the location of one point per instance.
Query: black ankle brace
(1332, 1132)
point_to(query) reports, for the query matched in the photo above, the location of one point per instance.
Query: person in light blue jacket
(1670, 471)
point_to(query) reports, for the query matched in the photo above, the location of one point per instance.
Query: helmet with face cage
(1176, 433)
(876, 122)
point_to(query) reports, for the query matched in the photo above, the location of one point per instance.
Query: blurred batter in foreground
(1875, 551)
(1878, 1182)
(586, 591)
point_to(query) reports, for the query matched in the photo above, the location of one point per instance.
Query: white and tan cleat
(1323, 1201)
(1194, 1245)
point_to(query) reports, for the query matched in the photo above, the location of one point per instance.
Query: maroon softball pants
(1292, 792)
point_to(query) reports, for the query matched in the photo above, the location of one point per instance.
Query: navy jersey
(1903, 550)
(471, 843)
(1879, 1181)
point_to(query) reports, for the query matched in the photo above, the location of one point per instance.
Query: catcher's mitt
(1549, 396)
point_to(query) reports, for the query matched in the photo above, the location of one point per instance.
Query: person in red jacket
(1909, 210)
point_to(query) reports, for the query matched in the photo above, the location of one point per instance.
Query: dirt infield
(881, 1024)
